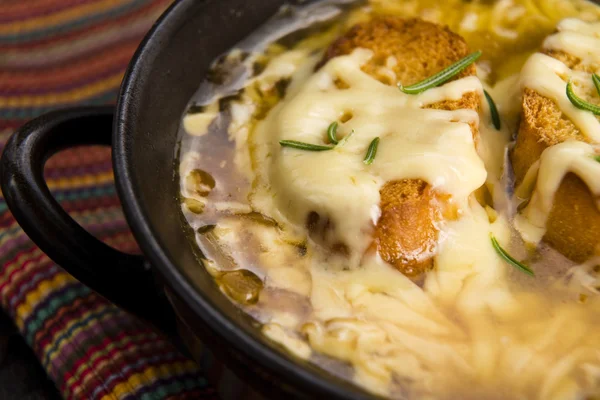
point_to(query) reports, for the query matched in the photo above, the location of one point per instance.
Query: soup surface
(422, 245)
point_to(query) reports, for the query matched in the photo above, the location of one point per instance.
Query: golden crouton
(419, 49)
(407, 232)
(574, 220)
(542, 123)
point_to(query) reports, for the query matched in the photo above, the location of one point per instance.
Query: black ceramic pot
(165, 72)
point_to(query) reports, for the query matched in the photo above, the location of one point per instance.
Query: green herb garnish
(579, 102)
(596, 80)
(442, 76)
(345, 139)
(507, 257)
(493, 110)
(332, 133)
(372, 151)
(597, 158)
(304, 146)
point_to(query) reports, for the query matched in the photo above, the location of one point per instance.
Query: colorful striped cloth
(58, 53)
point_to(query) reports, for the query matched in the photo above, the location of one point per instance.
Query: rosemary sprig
(579, 102)
(493, 110)
(372, 151)
(509, 259)
(332, 133)
(596, 80)
(442, 76)
(304, 146)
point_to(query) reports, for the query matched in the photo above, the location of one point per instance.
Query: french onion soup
(406, 192)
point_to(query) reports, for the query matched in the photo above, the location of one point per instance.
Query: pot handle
(126, 280)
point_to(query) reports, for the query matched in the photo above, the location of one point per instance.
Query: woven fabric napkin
(54, 54)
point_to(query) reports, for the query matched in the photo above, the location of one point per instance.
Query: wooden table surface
(21, 375)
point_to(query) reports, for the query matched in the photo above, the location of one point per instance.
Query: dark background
(21, 375)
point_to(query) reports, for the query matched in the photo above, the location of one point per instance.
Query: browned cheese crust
(407, 232)
(574, 221)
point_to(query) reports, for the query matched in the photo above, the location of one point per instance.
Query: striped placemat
(60, 53)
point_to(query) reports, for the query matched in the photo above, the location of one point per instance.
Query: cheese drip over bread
(547, 75)
(545, 177)
(436, 146)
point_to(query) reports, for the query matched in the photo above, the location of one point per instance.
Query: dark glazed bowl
(165, 72)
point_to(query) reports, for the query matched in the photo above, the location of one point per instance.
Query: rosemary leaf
(493, 110)
(372, 151)
(579, 102)
(510, 260)
(442, 76)
(332, 133)
(596, 80)
(345, 139)
(304, 146)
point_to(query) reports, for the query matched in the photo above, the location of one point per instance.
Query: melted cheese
(493, 142)
(546, 175)
(543, 73)
(434, 145)
(470, 331)
(465, 325)
(277, 334)
(373, 317)
(547, 76)
(578, 38)
(586, 276)
(197, 124)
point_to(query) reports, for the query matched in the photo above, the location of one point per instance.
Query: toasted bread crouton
(574, 218)
(574, 221)
(407, 231)
(542, 123)
(412, 48)
(406, 234)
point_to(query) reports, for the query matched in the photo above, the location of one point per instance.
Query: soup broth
(471, 327)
